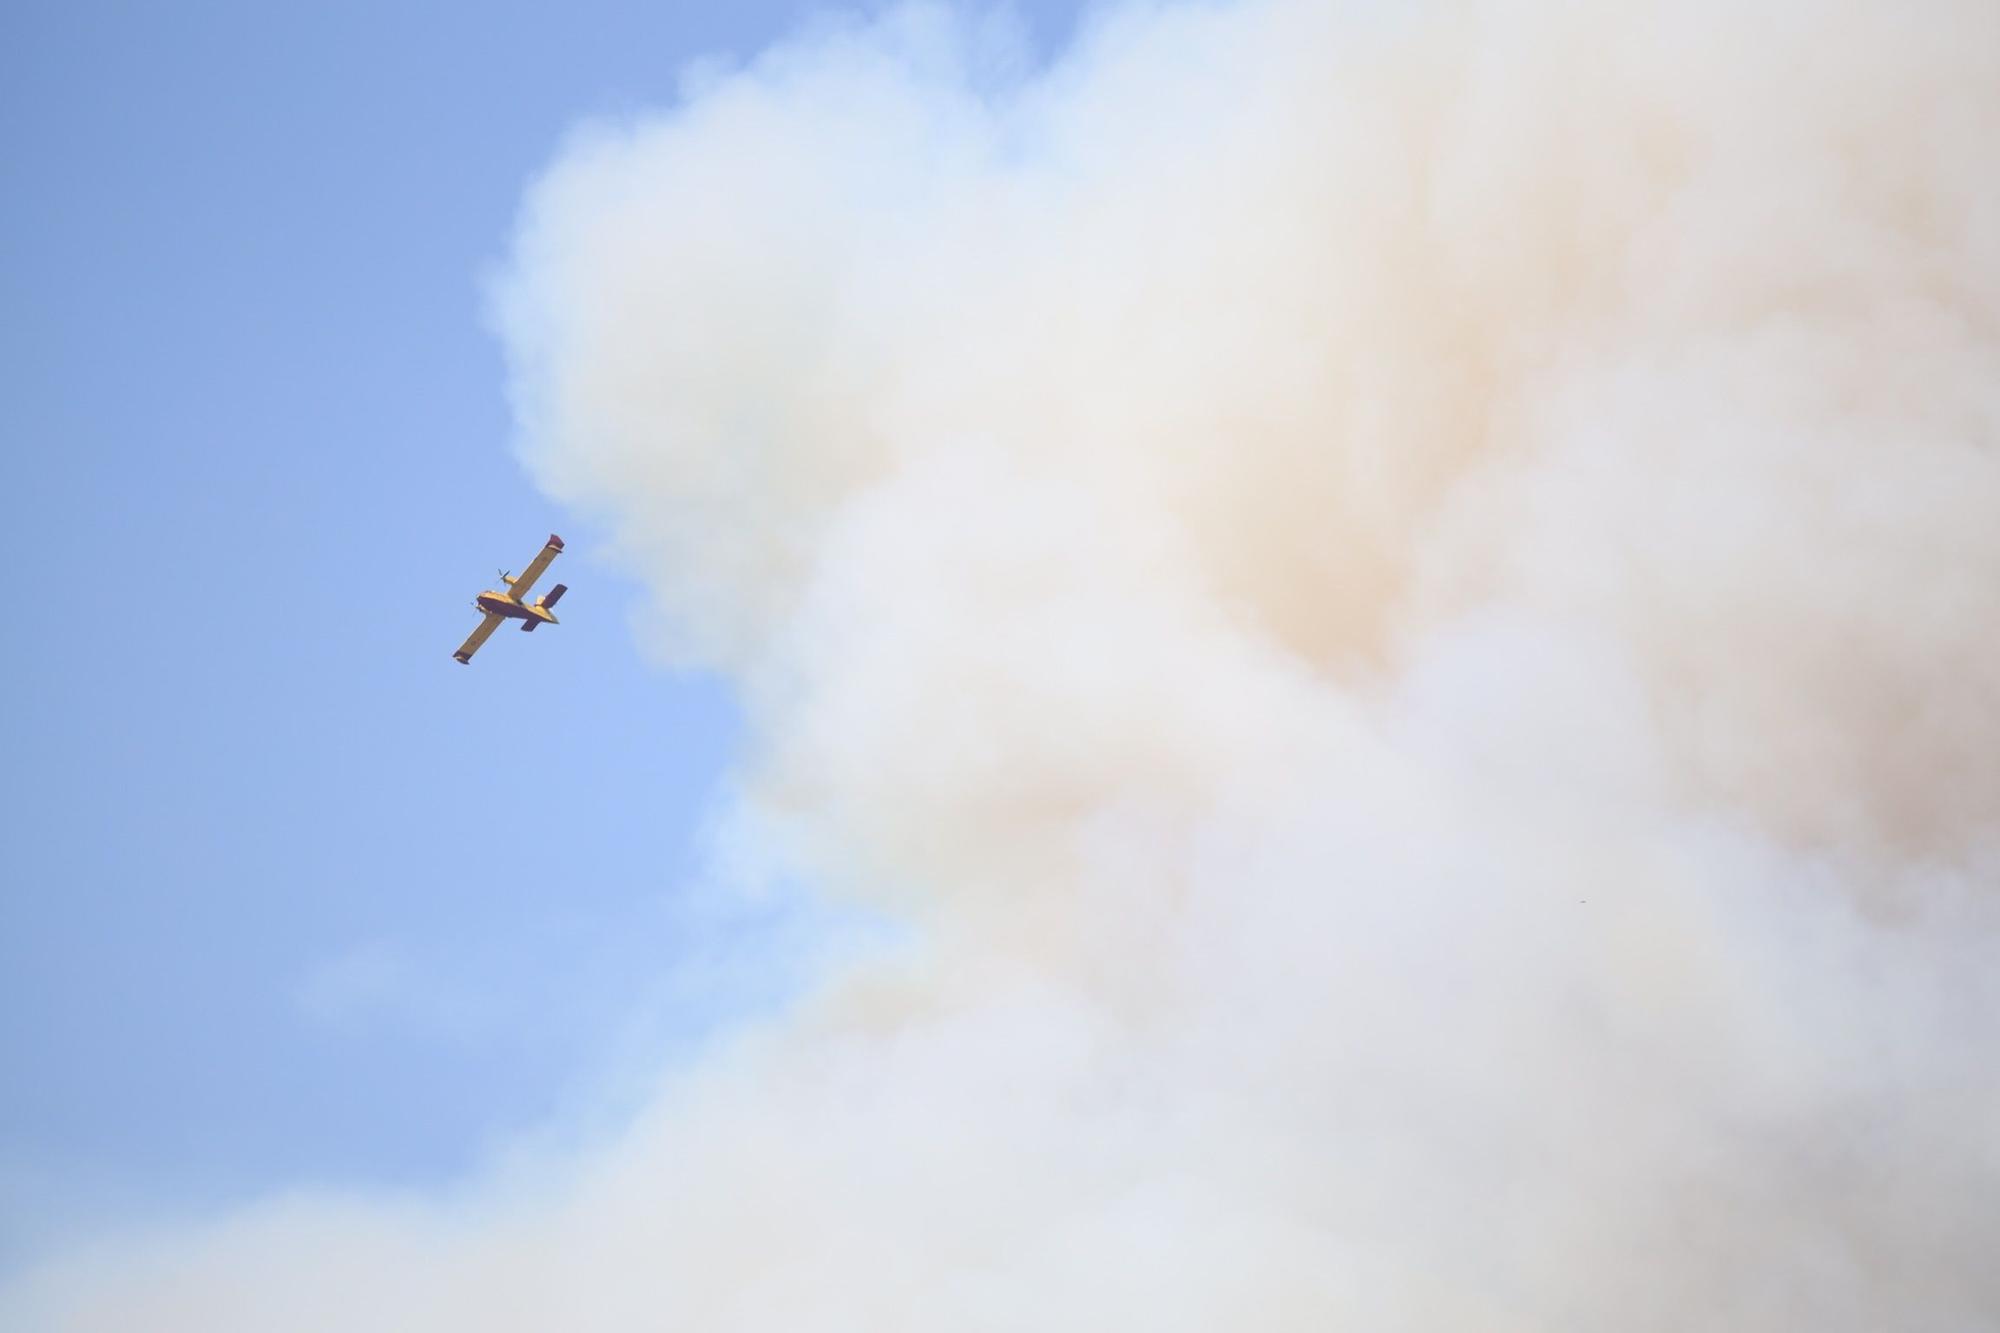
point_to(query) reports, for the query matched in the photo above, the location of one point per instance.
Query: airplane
(508, 605)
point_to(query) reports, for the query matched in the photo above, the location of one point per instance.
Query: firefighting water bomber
(510, 605)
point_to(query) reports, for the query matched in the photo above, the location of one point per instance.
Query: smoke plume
(1405, 600)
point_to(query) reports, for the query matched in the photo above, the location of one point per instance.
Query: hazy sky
(290, 895)
(1380, 619)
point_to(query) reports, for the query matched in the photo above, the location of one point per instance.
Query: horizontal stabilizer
(555, 595)
(528, 626)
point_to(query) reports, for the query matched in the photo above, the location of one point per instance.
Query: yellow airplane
(508, 605)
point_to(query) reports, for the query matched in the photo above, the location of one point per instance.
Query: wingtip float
(510, 605)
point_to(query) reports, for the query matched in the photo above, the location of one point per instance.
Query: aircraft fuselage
(500, 604)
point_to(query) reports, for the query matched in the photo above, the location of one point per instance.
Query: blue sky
(291, 897)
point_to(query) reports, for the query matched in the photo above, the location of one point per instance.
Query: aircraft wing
(520, 586)
(479, 636)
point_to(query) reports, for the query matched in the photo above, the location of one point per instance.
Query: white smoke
(1407, 600)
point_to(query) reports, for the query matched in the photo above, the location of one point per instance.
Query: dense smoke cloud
(1407, 601)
